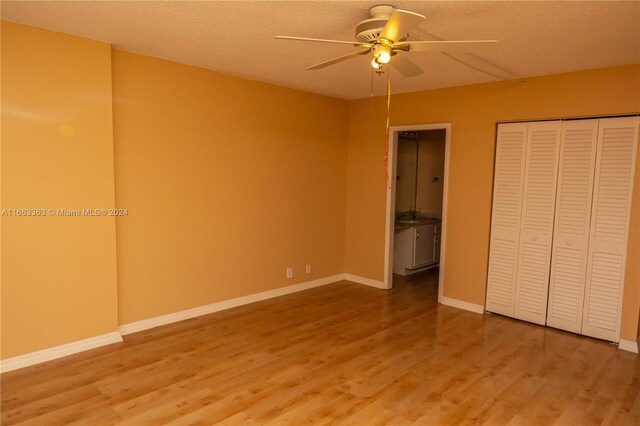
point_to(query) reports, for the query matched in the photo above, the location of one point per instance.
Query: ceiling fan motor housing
(368, 31)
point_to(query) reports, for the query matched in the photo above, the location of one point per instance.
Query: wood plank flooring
(338, 354)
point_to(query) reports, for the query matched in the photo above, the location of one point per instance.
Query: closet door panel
(613, 185)
(505, 217)
(571, 225)
(538, 205)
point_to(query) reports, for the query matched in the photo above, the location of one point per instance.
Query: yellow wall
(58, 273)
(473, 112)
(227, 182)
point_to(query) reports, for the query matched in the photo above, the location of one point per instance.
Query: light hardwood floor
(338, 354)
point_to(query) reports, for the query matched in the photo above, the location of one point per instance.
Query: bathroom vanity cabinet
(416, 246)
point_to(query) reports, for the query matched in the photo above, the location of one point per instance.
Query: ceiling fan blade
(338, 59)
(400, 24)
(406, 66)
(450, 46)
(321, 40)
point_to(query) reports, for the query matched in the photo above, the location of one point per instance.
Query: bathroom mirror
(406, 173)
(420, 171)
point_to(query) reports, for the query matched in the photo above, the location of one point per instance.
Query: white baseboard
(362, 280)
(628, 345)
(44, 355)
(146, 324)
(461, 304)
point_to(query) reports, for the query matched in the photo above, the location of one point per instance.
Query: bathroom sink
(409, 221)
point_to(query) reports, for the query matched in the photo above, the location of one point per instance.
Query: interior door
(608, 234)
(538, 206)
(571, 227)
(505, 217)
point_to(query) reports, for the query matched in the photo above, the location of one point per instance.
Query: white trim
(49, 354)
(146, 324)
(444, 216)
(44, 355)
(366, 281)
(390, 208)
(461, 304)
(628, 345)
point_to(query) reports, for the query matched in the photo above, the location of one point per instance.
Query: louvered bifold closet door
(613, 185)
(505, 217)
(571, 225)
(536, 229)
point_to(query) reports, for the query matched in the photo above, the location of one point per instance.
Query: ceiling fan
(384, 36)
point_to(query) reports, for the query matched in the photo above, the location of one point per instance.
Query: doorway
(395, 134)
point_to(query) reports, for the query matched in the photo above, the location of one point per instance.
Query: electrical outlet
(289, 272)
(307, 269)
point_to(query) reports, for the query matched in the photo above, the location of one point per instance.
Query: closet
(559, 224)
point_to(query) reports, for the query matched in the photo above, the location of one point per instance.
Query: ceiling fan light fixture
(382, 53)
(384, 57)
(381, 56)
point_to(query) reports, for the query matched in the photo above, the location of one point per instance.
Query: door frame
(391, 197)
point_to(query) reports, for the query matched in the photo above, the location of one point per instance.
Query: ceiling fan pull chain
(386, 147)
(371, 110)
(371, 87)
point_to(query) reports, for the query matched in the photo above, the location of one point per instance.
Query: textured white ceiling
(236, 37)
